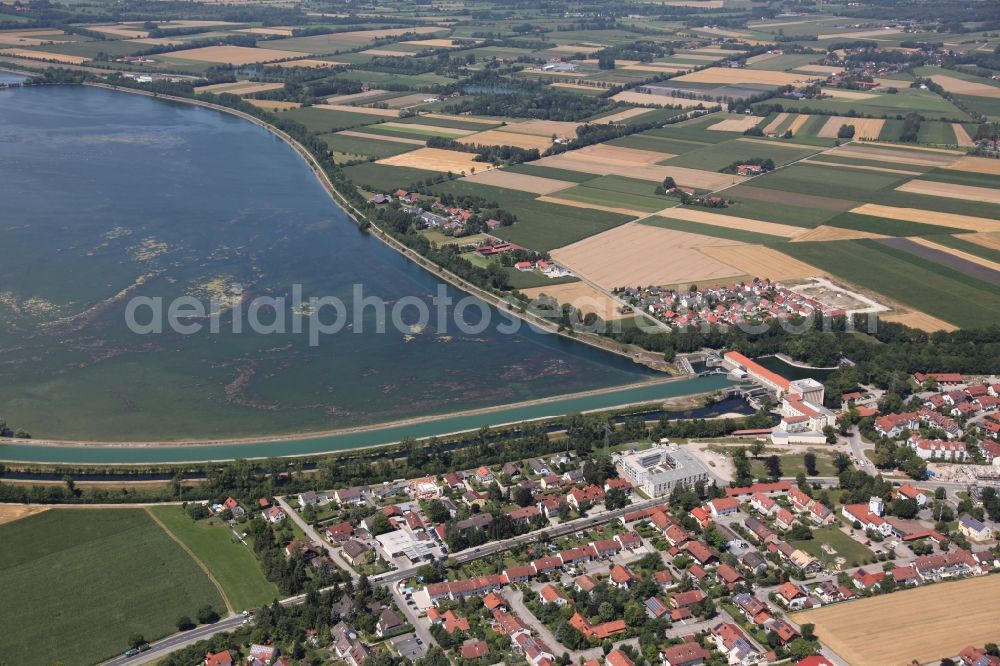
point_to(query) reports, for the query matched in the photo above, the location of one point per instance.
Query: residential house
(724, 506)
(618, 658)
(234, 507)
(655, 608)
(355, 552)
(908, 491)
(339, 532)
(587, 496)
(223, 658)
(389, 623)
(621, 577)
(310, 498)
(525, 514)
(864, 580)
(484, 475)
(700, 552)
(687, 599)
(737, 647)
(353, 495)
(347, 645)
(585, 583)
(685, 654)
(973, 529)
(274, 515)
(551, 595)
(791, 596)
(473, 649)
(262, 655)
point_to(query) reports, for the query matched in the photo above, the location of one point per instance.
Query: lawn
(846, 547)
(232, 564)
(924, 286)
(793, 463)
(78, 583)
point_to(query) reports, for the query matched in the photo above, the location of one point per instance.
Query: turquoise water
(350, 440)
(105, 196)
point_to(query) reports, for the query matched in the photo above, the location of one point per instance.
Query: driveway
(316, 538)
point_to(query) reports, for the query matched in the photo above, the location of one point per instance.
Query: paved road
(515, 599)
(419, 627)
(161, 649)
(316, 537)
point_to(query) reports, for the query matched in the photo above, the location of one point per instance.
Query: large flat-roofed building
(402, 543)
(657, 471)
(758, 373)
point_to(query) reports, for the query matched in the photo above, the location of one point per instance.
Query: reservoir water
(107, 196)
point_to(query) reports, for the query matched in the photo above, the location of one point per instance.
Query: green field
(658, 144)
(846, 547)
(957, 177)
(322, 121)
(454, 123)
(528, 279)
(936, 290)
(619, 192)
(550, 172)
(412, 132)
(384, 177)
(799, 216)
(713, 158)
(740, 235)
(355, 145)
(232, 564)
(78, 583)
(827, 181)
(929, 104)
(886, 226)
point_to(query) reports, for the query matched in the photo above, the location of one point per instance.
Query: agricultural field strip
(926, 242)
(383, 137)
(951, 190)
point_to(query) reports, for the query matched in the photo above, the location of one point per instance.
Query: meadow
(78, 582)
(232, 565)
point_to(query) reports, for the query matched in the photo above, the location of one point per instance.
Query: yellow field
(621, 210)
(464, 119)
(761, 261)
(743, 75)
(990, 240)
(433, 43)
(976, 165)
(120, 30)
(308, 62)
(543, 128)
(741, 124)
(774, 124)
(11, 512)
(753, 60)
(843, 93)
(972, 258)
(919, 216)
(910, 618)
(921, 149)
(640, 255)
(32, 37)
(362, 36)
(864, 128)
(418, 126)
(863, 167)
(962, 87)
(860, 34)
(383, 137)
(521, 182)
(437, 159)
(936, 189)
(274, 105)
(603, 160)
(633, 97)
(45, 55)
(825, 233)
(354, 97)
(278, 32)
(241, 88)
(232, 55)
(387, 113)
(656, 67)
(581, 296)
(620, 116)
(962, 137)
(732, 222)
(919, 320)
(820, 69)
(498, 138)
(406, 101)
(799, 121)
(389, 52)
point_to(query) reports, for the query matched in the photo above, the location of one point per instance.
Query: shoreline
(360, 429)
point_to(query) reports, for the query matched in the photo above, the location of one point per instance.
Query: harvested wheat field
(731, 75)
(962, 137)
(863, 167)
(233, 55)
(433, 43)
(741, 124)
(498, 138)
(33, 37)
(936, 189)
(308, 63)
(521, 182)
(732, 222)
(893, 156)
(386, 113)
(383, 137)
(961, 87)
(799, 121)
(241, 88)
(827, 233)
(406, 101)
(120, 30)
(389, 52)
(621, 210)
(921, 216)
(11, 512)
(581, 296)
(464, 119)
(860, 34)
(416, 128)
(976, 165)
(919, 320)
(603, 160)
(820, 69)
(843, 93)
(633, 97)
(620, 116)
(918, 633)
(753, 60)
(572, 86)
(986, 239)
(761, 261)
(45, 55)
(656, 67)
(864, 128)
(641, 255)
(543, 128)
(276, 32)
(586, 49)
(273, 104)
(354, 97)
(922, 149)
(774, 124)
(972, 258)
(437, 159)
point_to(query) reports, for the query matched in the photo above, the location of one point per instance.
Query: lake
(108, 196)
